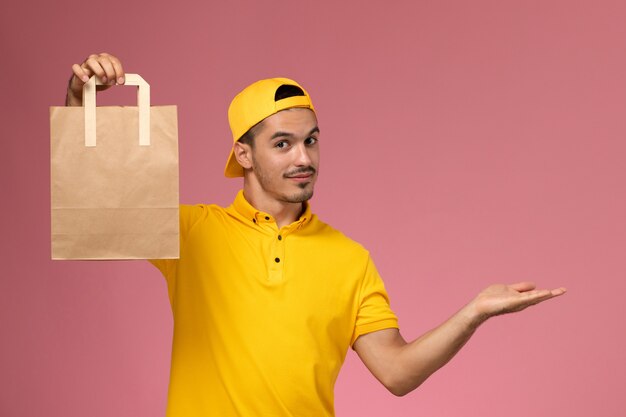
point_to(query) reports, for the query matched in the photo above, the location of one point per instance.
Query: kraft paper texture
(115, 200)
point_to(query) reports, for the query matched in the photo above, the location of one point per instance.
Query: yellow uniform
(263, 317)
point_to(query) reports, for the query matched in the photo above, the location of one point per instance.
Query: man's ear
(243, 154)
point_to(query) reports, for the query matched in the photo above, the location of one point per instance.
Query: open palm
(501, 299)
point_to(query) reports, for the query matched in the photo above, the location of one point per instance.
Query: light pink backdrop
(463, 143)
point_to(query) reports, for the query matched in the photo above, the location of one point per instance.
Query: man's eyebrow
(280, 134)
(314, 130)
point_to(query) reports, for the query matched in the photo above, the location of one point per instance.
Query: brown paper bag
(114, 179)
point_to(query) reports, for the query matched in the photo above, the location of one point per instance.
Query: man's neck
(284, 213)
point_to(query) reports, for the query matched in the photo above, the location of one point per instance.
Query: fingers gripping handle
(143, 104)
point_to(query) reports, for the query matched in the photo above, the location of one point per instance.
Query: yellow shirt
(263, 317)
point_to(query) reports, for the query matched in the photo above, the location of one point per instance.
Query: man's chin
(301, 197)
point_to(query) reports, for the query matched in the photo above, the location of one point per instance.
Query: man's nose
(302, 155)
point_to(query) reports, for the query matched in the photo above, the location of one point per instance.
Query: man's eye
(310, 140)
(281, 144)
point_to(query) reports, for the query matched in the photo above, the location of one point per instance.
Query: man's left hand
(502, 299)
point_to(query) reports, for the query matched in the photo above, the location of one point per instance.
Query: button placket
(277, 263)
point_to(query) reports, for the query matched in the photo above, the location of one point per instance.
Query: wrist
(472, 316)
(72, 100)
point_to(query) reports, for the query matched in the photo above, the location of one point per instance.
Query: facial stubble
(265, 181)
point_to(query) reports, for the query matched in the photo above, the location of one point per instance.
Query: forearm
(416, 361)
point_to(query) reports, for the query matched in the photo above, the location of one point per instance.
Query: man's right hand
(106, 67)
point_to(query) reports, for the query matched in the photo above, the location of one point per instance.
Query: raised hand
(106, 67)
(502, 299)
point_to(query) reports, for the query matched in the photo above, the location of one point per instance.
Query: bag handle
(143, 103)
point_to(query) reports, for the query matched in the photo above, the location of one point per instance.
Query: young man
(267, 298)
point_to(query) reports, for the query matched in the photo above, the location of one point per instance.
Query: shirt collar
(244, 208)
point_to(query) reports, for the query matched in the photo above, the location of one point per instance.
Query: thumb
(523, 286)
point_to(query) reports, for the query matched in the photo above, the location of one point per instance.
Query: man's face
(285, 155)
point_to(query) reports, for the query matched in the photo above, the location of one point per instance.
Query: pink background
(464, 143)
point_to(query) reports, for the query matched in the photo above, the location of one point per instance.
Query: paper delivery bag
(114, 179)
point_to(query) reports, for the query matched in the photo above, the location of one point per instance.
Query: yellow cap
(255, 103)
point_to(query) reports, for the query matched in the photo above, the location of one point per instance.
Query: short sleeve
(374, 312)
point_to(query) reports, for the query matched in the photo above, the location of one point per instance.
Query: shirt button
(253, 220)
(277, 260)
(267, 218)
(280, 237)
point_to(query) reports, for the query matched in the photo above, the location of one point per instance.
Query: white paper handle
(143, 103)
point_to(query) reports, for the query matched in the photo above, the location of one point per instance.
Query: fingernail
(85, 78)
(104, 79)
(120, 80)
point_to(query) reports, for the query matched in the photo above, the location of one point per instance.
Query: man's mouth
(301, 174)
